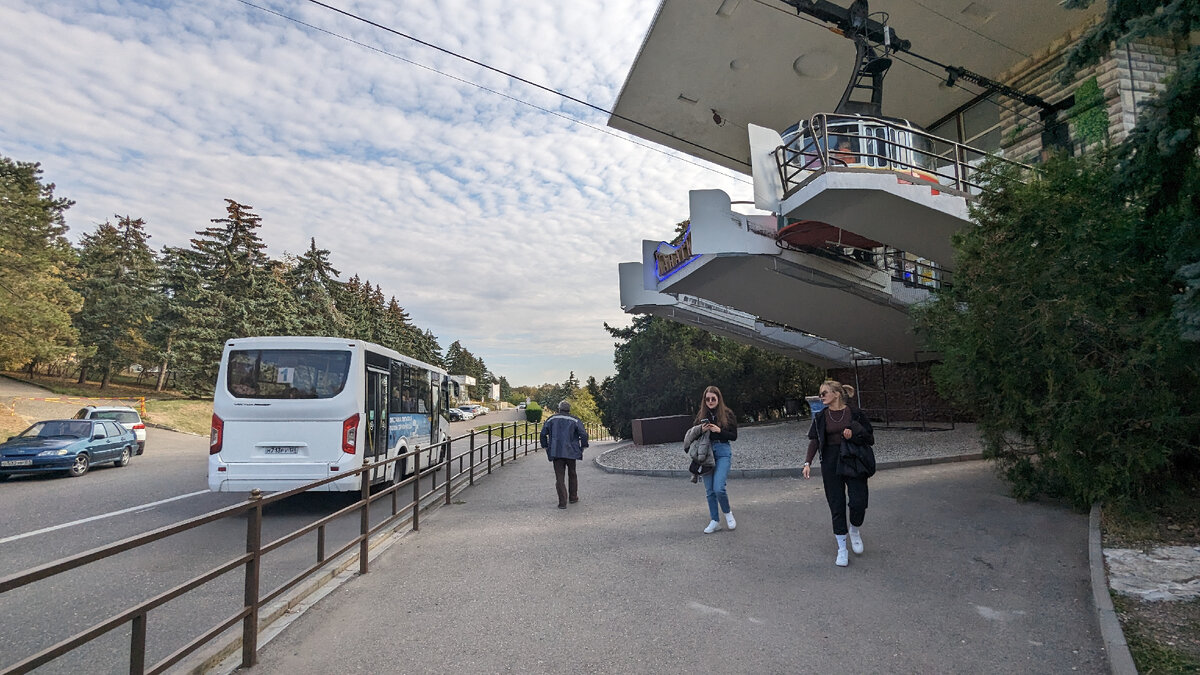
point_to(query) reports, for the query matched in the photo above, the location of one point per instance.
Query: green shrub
(533, 412)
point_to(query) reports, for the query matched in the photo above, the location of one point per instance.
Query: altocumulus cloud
(492, 222)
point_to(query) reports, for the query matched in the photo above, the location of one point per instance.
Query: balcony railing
(890, 145)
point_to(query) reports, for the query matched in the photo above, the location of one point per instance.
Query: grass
(193, 416)
(1163, 637)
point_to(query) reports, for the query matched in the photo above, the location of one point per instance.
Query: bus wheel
(398, 473)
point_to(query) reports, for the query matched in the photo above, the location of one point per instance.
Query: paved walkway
(957, 577)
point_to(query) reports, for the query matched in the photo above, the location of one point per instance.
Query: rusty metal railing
(502, 440)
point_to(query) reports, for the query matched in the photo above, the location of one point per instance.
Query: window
(287, 373)
(976, 125)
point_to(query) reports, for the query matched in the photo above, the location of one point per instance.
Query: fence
(496, 445)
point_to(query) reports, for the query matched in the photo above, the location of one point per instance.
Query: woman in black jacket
(719, 421)
(838, 422)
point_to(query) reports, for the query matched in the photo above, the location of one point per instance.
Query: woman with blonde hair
(833, 425)
(720, 423)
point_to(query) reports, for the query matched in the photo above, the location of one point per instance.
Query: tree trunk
(162, 369)
(107, 376)
(82, 375)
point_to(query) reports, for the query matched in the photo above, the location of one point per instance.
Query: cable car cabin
(857, 142)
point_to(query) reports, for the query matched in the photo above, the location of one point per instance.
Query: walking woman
(836, 423)
(719, 422)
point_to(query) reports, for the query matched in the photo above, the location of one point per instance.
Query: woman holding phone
(718, 420)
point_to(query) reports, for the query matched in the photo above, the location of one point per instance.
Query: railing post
(250, 597)
(321, 543)
(416, 519)
(492, 447)
(364, 521)
(137, 647)
(525, 437)
(489, 451)
(448, 449)
(471, 442)
(514, 441)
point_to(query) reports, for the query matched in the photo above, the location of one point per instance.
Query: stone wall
(1128, 76)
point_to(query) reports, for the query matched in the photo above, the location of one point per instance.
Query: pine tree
(118, 274)
(36, 261)
(313, 281)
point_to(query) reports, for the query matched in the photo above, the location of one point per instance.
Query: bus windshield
(287, 373)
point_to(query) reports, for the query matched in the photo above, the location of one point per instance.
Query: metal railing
(456, 472)
(941, 163)
(901, 266)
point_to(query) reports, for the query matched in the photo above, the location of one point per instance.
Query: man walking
(564, 439)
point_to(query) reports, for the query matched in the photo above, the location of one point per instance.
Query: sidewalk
(956, 577)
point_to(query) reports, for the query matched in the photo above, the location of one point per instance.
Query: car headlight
(52, 453)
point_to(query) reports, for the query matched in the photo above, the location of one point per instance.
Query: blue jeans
(714, 483)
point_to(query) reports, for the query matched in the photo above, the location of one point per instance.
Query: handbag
(856, 461)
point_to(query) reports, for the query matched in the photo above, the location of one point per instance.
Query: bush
(533, 412)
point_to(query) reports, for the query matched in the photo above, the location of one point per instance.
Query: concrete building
(856, 195)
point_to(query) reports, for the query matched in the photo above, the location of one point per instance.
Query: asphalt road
(49, 517)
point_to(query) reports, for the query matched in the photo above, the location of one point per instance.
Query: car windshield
(287, 373)
(59, 429)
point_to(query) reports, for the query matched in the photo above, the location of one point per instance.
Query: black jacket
(861, 430)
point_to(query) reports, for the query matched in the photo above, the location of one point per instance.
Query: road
(49, 517)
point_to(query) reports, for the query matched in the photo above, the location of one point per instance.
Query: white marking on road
(142, 507)
(705, 609)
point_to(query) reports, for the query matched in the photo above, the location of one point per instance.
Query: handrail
(519, 436)
(798, 166)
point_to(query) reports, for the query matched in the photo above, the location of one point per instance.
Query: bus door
(375, 448)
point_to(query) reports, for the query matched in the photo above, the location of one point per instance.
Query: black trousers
(571, 490)
(838, 487)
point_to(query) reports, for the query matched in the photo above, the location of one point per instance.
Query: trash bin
(791, 407)
(814, 404)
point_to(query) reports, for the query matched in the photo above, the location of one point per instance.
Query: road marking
(141, 507)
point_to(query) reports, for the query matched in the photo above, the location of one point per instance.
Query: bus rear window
(287, 373)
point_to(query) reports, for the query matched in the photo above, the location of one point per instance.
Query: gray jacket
(698, 446)
(564, 437)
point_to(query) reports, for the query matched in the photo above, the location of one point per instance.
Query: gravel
(783, 445)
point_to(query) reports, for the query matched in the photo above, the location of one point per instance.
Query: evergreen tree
(118, 277)
(240, 293)
(313, 281)
(36, 261)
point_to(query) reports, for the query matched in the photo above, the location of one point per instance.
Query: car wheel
(401, 469)
(141, 448)
(3, 477)
(81, 465)
(126, 454)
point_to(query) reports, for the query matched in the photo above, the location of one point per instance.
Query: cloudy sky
(496, 218)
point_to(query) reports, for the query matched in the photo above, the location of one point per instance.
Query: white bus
(288, 411)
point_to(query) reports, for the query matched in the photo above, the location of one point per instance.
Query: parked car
(467, 413)
(72, 446)
(474, 408)
(520, 406)
(128, 417)
(454, 414)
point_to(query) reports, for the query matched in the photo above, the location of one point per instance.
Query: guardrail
(496, 444)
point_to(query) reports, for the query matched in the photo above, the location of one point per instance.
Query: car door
(119, 437)
(98, 447)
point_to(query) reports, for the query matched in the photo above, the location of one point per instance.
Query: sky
(496, 218)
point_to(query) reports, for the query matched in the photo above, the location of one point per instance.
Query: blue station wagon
(70, 446)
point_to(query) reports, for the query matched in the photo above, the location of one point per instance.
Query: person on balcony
(564, 438)
(833, 425)
(844, 154)
(718, 420)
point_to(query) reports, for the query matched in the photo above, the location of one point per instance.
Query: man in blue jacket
(564, 439)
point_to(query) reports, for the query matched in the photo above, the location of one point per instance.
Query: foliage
(533, 412)
(1089, 114)
(584, 407)
(118, 276)
(663, 366)
(1057, 335)
(36, 300)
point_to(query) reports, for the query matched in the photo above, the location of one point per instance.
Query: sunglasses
(825, 393)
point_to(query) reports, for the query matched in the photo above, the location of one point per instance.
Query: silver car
(128, 417)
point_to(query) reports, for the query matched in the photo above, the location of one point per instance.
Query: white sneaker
(713, 526)
(856, 542)
(843, 558)
(730, 521)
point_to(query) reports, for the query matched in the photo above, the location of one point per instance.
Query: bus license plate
(281, 450)
(17, 462)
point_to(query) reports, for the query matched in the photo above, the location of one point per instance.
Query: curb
(1120, 661)
(783, 472)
